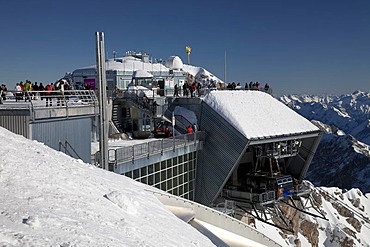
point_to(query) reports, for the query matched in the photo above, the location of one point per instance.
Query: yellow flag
(188, 49)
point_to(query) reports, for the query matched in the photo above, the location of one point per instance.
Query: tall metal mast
(102, 93)
(225, 68)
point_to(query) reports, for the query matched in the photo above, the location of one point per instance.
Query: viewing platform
(40, 105)
(62, 120)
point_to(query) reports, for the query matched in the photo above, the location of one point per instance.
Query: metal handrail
(154, 92)
(69, 97)
(65, 146)
(153, 147)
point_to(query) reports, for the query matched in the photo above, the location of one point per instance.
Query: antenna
(225, 69)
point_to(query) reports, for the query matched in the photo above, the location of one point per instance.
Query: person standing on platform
(48, 94)
(18, 92)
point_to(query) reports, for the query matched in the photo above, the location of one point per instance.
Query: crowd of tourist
(28, 91)
(197, 89)
(249, 86)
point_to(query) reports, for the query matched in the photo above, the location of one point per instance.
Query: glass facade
(175, 176)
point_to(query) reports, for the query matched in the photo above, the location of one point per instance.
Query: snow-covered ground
(51, 199)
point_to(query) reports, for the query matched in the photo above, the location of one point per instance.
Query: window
(163, 165)
(150, 169)
(143, 171)
(169, 184)
(144, 180)
(175, 192)
(181, 169)
(163, 175)
(151, 179)
(163, 186)
(180, 159)
(175, 182)
(157, 177)
(174, 169)
(169, 173)
(186, 167)
(136, 173)
(157, 167)
(181, 190)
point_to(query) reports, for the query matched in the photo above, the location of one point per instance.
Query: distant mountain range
(343, 157)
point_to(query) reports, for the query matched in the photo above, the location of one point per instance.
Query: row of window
(175, 175)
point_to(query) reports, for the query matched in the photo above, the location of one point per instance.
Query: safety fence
(52, 98)
(146, 149)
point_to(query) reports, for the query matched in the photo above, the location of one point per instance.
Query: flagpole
(188, 50)
(225, 69)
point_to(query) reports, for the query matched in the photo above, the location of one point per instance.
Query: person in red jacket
(48, 93)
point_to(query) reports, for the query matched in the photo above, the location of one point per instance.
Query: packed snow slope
(51, 199)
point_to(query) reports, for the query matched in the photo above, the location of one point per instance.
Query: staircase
(115, 117)
(140, 105)
(128, 120)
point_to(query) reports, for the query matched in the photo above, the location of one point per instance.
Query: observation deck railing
(49, 98)
(130, 153)
(55, 103)
(137, 94)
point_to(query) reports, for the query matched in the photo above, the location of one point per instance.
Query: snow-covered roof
(258, 115)
(174, 62)
(141, 74)
(129, 63)
(200, 73)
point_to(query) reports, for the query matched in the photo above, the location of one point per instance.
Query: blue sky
(297, 46)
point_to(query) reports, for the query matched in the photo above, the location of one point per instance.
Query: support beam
(102, 97)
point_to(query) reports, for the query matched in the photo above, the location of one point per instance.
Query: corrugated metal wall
(77, 131)
(16, 124)
(222, 149)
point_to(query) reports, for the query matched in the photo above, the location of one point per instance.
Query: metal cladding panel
(17, 124)
(221, 151)
(76, 131)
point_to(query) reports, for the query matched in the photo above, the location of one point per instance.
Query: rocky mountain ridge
(342, 159)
